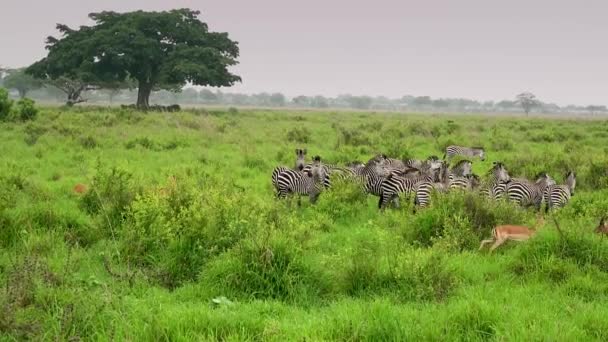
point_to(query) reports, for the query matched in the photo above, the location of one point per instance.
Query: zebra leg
(396, 201)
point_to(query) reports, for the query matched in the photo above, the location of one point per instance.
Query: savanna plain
(122, 225)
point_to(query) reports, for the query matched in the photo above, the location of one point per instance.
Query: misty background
(465, 55)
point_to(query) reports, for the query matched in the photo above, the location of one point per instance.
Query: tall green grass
(180, 236)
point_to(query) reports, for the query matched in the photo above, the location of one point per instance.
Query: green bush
(270, 269)
(299, 135)
(6, 105)
(109, 197)
(26, 109)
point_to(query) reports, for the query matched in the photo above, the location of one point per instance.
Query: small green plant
(88, 142)
(6, 105)
(299, 135)
(26, 109)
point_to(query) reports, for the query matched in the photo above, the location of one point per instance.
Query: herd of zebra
(390, 179)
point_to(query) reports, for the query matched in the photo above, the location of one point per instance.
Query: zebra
(431, 163)
(454, 150)
(394, 185)
(300, 159)
(302, 182)
(459, 177)
(468, 182)
(528, 194)
(557, 196)
(462, 169)
(496, 184)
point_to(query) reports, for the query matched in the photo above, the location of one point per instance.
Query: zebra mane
(460, 163)
(540, 175)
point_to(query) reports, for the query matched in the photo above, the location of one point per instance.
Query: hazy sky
(482, 49)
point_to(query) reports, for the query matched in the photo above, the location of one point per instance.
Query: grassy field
(180, 237)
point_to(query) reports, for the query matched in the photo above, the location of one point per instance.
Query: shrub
(233, 111)
(144, 142)
(352, 138)
(110, 195)
(33, 132)
(88, 142)
(299, 135)
(458, 220)
(6, 105)
(176, 231)
(26, 109)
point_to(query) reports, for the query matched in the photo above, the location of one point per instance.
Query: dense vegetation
(177, 234)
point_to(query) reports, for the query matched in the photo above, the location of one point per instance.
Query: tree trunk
(22, 93)
(143, 95)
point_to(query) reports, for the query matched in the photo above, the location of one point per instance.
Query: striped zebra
(496, 184)
(468, 182)
(462, 169)
(453, 150)
(431, 163)
(526, 193)
(557, 196)
(300, 159)
(308, 183)
(395, 185)
(459, 177)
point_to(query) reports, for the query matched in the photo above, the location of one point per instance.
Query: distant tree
(207, 96)
(527, 101)
(160, 50)
(3, 73)
(277, 99)
(320, 102)
(422, 101)
(302, 100)
(17, 79)
(506, 104)
(441, 103)
(360, 102)
(190, 95)
(593, 109)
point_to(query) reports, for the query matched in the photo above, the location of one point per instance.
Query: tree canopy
(527, 101)
(160, 50)
(17, 79)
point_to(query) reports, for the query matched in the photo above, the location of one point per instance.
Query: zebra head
(463, 168)
(500, 173)
(544, 179)
(480, 152)
(300, 156)
(474, 181)
(378, 159)
(434, 162)
(444, 174)
(571, 181)
(317, 171)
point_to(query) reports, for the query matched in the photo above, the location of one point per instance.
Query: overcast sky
(482, 49)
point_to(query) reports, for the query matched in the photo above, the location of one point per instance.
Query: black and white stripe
(496, 184)
(557, 196)
(526, 193)
(395, 185)
(308, 183)
(453, 150)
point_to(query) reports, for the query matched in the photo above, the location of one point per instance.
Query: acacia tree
(17, 79)
(160, 50)
(527, 101)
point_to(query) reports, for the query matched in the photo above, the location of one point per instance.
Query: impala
(500, 234)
